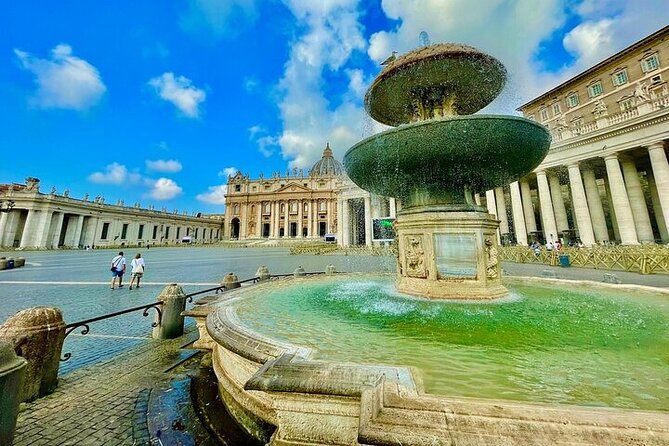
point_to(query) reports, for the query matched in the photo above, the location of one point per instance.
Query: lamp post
(6, 206)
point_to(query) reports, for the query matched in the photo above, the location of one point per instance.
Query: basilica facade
(606, 177)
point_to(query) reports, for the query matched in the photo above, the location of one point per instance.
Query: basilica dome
(327, 165)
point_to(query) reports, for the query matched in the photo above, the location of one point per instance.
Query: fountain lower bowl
(432, 162)
(285, 393)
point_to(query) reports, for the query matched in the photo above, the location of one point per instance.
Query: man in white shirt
(117, 270)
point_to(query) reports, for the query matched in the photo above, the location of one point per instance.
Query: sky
(158, 102)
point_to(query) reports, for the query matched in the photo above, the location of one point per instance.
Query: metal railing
(645, 259)
(69, 328)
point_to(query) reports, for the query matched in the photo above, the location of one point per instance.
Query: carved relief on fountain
(492, 263)
(415, 256)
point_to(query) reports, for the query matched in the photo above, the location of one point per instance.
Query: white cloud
(164, 189)
(590, 42)
(266, 143)
(332, 35)
(228, 172)
(251, 84)
(63, 81)
(115, 173)
(219, 18)
(216, 195)
(164, 165)
(181, 92)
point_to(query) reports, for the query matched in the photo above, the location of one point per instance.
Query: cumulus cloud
(115, 173)
(216, 195)
(228, 172)
(332, 35)
(63, 81)
(219, 18)
(163, 189)
(181, 92)
(266, 143)
(171, 166)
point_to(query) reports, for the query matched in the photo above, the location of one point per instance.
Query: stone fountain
(345, 360)
(436, 158)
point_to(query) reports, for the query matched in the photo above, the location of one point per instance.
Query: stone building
(304, 206)
(39, 220)
(293, 205)
(606, 177)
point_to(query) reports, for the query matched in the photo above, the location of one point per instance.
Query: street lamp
(6, 206)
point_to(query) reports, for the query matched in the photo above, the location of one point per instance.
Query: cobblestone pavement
(100, 404)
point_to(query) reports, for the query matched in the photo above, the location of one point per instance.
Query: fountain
(433, 161)
(305, 361)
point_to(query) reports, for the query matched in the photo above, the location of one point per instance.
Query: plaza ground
(103, 390)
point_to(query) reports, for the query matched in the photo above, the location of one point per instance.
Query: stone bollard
(12, 371)
(330, 269)
(263, 274)
(230, 282)
(299, 271)
(171, 322)
(44, 331)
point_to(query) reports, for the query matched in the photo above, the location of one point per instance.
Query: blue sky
(157, 102)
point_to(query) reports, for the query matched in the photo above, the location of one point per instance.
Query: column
(393, 207)
(547, 215)
(4, 216)
(300, 219)
(79, 226)
(28, 229)
(657, 208)
(368, 220)
(528, 208)
(558, 203)
(340, 222)
(658, 160)
(310, 217)
(490, 202)
(286, 219)
(346, 239)
(621, 203)
(637, 200)
(580, 205)
(501, 210)
(518, 217)
(477, 199)
(42, 228)
(595, 205)
(258, 224)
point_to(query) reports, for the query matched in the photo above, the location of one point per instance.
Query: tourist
(138, 266)
(549, 246)
(558, 245)
(117, 269)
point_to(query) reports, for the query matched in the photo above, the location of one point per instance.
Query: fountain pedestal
(446, 254)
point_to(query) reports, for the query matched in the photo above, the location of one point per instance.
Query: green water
(551, 345)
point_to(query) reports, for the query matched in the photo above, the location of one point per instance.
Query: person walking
(118, 269)
(137, 266)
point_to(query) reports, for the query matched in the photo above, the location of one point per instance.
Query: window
(124, 231)
(544, 114)
(167, 232)
(267, 186)
(155, 231)
(626, 103)
(253, 209)
(619, 77)
(322, 206)
(556, 109)
(238, 187)
(187, 232)
(267, 208)
(595, 89)
(253, 188)
(306, 207)
(577, 122)
(572, 100)
(650, 63)
(235, 209)
(105, 231)
(656, 80)
(140, 232)
(293, 207)
(283, 208)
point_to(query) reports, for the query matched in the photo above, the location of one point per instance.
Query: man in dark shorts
(117, 270)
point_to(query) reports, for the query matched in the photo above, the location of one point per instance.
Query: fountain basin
(288, 393)
(431, 162)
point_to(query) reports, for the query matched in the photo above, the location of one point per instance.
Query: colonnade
(620, 197)
(358, 210)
